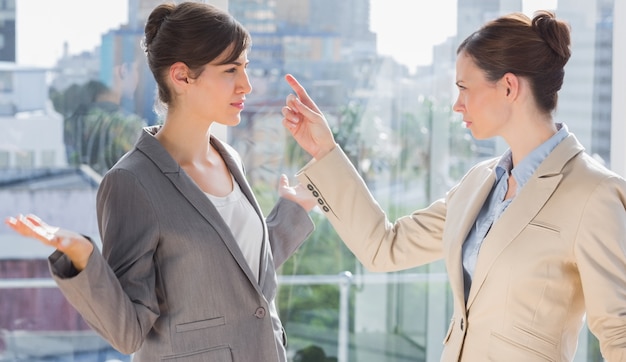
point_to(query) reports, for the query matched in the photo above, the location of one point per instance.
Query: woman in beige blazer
(532, 241)
(187, 269)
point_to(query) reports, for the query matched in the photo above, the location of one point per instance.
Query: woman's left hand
(298, 193)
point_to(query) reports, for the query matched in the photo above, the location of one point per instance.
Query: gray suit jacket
(556, 253)
(171, 283)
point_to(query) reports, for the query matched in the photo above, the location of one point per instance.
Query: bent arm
(288, 224)
(378, 243)
(601, 257)
(115, 293)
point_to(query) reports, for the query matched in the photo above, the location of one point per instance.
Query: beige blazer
(171, 283)
(556, 253)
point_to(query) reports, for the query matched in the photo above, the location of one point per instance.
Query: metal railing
(344, 281)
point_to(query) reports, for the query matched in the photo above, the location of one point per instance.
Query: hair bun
(554, 32)
(155, 20)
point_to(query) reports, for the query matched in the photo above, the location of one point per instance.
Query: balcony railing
(344, 281)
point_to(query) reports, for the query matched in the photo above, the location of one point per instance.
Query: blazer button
(310, 187)
(260, 312)
(325, 208)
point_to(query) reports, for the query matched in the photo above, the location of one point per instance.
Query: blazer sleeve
(379, 244)
(288, 225)
(115, 293)
(600, 251)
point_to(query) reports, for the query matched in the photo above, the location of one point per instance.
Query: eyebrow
(238, 63)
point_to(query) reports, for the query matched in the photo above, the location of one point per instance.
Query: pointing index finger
(297, 87)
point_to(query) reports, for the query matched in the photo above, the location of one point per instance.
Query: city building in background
(585, 101)
(603, 84)
(25, 112)
(397, 127)
(7, 31)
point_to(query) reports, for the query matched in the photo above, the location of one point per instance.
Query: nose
(458, 105)
(244, 83)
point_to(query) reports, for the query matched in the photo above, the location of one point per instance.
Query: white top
(244, 223)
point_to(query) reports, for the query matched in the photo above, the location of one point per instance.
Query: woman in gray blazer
(533, 241)
(187, 268)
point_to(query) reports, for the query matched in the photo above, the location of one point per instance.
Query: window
(382, 72)
(25, 159)
(4, 159)
(48, 158)
(6, 80)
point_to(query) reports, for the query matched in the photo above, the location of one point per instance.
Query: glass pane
(73, 98)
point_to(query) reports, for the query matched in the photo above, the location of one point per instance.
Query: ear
(510, 84)
(179, 74)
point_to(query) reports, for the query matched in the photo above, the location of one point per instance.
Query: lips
(238, 105)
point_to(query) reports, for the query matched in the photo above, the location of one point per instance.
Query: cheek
(478, 104)
(467, 104)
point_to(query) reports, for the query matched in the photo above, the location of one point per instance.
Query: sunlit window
(382, 71)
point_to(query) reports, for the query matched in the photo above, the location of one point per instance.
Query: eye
(231, 70)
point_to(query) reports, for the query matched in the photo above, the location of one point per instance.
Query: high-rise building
(576, 96)
(587, 109)
(474, 13)
(602, 84)
(7, 31)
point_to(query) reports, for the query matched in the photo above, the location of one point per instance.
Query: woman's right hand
(306, 122)
(75, 246)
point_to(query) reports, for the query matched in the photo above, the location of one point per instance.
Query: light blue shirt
(495, 204)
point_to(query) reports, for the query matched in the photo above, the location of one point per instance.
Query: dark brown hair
(536, 50)
(192, 33)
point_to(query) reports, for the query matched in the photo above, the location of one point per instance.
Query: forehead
(466, 68)
(227, 57)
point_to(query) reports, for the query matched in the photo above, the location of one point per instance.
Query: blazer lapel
(522, 210)
(480, 186)
(192, 193)
(516, 217)
(236, 168)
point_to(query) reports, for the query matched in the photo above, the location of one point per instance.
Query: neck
(187, 143)
(523, 140)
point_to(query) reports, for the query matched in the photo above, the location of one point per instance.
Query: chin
(231, 123)
(481, 136)
(475, 134)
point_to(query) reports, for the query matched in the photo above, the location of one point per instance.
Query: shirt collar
(526, 167)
